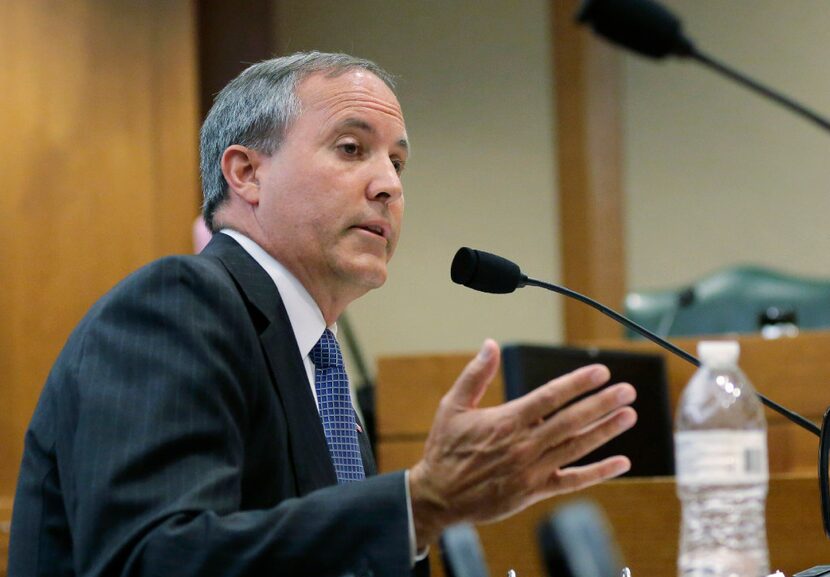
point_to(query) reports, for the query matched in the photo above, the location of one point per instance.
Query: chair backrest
(732, 300)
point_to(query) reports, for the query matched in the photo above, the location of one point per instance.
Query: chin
(376, 280)
(369, 276)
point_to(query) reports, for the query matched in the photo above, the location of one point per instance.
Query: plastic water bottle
(721, 467)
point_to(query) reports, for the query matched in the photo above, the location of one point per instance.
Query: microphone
(489, 273)
(684, 299)
(461, 552)
(641, 25)
(486, 272)
(576, 541)
(648, 28)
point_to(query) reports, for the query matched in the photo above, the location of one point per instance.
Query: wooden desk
(794, 372)
(645, 516)
(644, 512)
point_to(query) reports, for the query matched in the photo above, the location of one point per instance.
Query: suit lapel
(310, 453)
(309, 457)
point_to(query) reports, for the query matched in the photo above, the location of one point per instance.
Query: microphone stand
(756, 86)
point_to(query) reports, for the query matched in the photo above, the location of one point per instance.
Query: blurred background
(589, 167)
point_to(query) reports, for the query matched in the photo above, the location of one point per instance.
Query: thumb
(472, 383)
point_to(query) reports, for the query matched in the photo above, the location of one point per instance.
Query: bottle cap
(718, 353)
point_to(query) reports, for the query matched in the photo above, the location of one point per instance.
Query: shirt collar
(305, 316)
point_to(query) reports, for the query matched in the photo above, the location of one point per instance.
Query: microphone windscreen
(641, 25)
(461, 552)
(576, 541)
(686, 297)
(484, 272)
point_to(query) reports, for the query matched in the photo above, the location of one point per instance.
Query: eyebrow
(365, 126)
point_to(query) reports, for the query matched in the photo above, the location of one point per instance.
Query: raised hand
(484, 464)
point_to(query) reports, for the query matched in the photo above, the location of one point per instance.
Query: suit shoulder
(173, 289)
(183, 268)
(171, 274)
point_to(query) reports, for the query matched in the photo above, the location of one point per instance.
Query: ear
(239, 167)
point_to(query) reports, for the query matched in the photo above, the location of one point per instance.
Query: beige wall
(476, 91)
(715, 174)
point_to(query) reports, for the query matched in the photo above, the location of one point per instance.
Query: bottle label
(721, 457)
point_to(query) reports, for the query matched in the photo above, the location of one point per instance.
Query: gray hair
(256, 109)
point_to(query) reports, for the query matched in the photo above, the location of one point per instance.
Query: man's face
(331, 199)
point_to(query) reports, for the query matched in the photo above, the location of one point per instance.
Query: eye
(349, 148)
(398, 164)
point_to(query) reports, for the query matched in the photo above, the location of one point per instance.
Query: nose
(385, 185)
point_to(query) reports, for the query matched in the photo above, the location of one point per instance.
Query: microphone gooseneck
(481, 271)
(625, 321)
(756, 86)
(648, 28)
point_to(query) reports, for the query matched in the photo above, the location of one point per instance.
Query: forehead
(353, 91)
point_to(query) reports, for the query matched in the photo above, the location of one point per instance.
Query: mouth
(374, 229)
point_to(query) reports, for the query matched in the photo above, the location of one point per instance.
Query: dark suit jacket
(177, 435)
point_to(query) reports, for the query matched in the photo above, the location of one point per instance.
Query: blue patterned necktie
(336, 411)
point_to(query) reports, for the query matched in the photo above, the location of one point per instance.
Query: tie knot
(326, 353)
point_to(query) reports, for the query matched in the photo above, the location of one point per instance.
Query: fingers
(590, 438)
(472, 383)
(555, 394)
(594, 436)
(575, 478)
(583, 414)
(488, 463)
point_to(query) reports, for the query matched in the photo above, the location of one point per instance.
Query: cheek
(396, 215)
(396, 212)
(323, 218)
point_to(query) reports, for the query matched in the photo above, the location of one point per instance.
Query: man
(192, 424)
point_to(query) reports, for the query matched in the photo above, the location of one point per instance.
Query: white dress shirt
(306, 319)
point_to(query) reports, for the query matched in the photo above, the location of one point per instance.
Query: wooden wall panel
(232, 36)
(176, 122)
(99, 149)
(5, 522)
(588, 131)
(425, 378)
